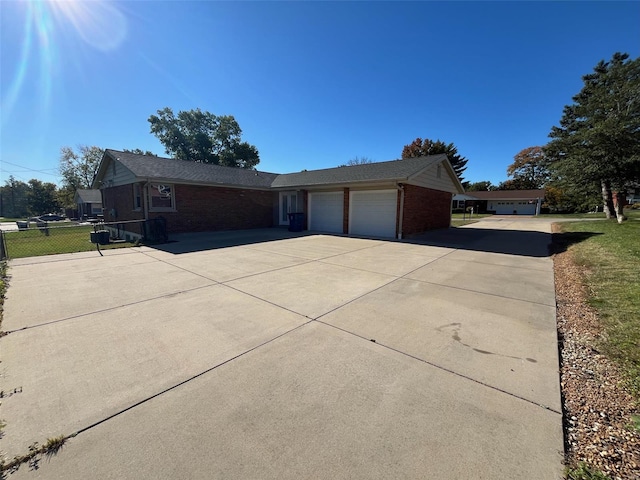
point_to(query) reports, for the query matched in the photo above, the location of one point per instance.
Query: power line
(30, 169)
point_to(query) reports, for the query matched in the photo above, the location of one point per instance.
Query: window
(439, 171)
(161, 197)
(137, 196)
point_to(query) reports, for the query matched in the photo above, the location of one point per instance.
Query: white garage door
(373, 213)
(326, 211)
(511, 207)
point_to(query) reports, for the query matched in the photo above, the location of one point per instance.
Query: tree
(482, 186)
(138, 151)
(356, 161)
(598, 140)
(20, 199)
(15, 198)
(419, 148)
(65, 197)
(79, 168)
(529, 169)
(203, 137)
(42, 197)
(513, 184)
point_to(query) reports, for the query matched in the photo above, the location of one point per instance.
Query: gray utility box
(101, 237)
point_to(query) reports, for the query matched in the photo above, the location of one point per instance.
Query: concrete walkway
(266, 354)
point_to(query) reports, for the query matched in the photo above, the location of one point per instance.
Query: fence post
(3, 246)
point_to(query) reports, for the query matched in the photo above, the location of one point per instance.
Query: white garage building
(503, 202)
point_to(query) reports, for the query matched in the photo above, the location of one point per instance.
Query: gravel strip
(597, 410)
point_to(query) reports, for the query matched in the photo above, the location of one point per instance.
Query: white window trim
(172, 208)
(137, 195)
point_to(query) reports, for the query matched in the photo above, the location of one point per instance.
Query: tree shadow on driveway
(510, 242)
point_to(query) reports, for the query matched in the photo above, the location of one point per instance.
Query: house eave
(346, 184)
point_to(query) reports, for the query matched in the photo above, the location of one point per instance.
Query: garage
(326, 211)
(513, 207)
(373, 213)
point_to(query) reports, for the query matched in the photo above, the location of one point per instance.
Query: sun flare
(53, 30)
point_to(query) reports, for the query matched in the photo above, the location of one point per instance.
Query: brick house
(385, 199)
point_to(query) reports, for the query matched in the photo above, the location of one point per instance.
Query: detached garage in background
(384, 199)
(503, 202)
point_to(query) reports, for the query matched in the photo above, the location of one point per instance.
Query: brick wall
(425, 209)
(120, 199)
(345, 211)
(199, 209)
(118, 207)
(202, 209)
(305, 208)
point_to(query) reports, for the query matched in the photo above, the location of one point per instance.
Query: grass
(572, 215)
(3, 288)
(611, 254)
(635, 423)
(459, 219)
(628, 212)
(461, 216)
(583, 472)
(459, 223)
(51, 447)
(60, 239)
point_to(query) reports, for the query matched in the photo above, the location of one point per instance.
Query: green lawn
(629, 213)
(460, 216)
(60, 239)
(572, 215)
(611, 253)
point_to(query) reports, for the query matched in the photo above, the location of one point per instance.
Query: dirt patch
(598, 412)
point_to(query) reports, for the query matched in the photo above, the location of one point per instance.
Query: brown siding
(202, 209)
(425, 209)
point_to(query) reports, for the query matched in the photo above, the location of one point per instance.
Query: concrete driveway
(266, 354)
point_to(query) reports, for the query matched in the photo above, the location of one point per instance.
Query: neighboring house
(462, 200)
(505, 202)
(89, 203)
(633, 195)
(384, 199)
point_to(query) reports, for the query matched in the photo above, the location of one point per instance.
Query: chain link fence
(32, 239)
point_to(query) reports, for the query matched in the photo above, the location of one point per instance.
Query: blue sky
(312, 84)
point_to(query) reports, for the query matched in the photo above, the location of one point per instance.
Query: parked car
(49, 217)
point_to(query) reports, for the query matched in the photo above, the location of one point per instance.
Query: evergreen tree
(598, 140)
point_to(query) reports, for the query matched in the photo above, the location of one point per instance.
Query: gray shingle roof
(147, 166)
(380, 171)
(89, 196)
